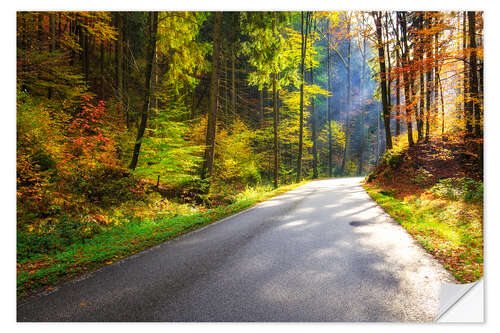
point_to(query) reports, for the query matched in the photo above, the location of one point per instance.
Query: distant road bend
(322, 252)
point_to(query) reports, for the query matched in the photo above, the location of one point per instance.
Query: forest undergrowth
(46, 258)
(435, 191)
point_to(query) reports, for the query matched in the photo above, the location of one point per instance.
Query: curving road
(322, 252)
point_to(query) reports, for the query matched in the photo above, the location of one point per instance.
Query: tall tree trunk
(389, 67)
(59, 30)
(52, 43)
(119, 60)
(474, 80)
(468, 106)
(276, 119)
(429, 79)
(406, 77)
(304, 32)
(314, 127)
(84, 41)
(39, 29)
(126, 67)
(383, 83)
(227, 103)
(420, 123)
(328, 104)
(261, 108)
(421, 100)
(421, 96)
(233, 82)
(153, 29)
(155, 86)
(208, 160)
(349, 101)
(377, 146)
(475, 96)
(101, 85)
(275, 131)
(398, 86)
(362, 109)
(442, 104)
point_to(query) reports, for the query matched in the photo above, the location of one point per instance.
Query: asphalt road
(322, 252)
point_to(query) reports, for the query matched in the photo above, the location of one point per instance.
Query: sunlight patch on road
(294, 223)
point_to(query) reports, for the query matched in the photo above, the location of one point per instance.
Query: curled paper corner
(461, 303)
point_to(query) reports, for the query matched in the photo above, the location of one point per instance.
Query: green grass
(117, 242)
(451, 230)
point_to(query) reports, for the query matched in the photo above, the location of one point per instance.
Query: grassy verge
(451, 230)
(43, 271)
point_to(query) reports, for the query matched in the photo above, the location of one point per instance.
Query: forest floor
(43, 271)
(435, 191)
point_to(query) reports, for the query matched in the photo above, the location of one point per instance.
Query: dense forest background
(124, 115)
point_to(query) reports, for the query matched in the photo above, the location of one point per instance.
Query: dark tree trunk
(406, 77)
(398, 85)
(362, 110)
(52, 43)
(275, 120)
(101, 91)
(429, 79)
(153, 28)
(474, 80)
(304, 32)
(349, 101)
(84, 53)
(420, 123)
(275, 131)
(389, 67)
(328, 104)
(233, 82)
(420, 59)
(383, 83)
(478, 133)
(261, 108)
(119, 61)
(442, 104)
(39, 28)
(314, 134)
(377, 146)
(329, 109)
(208, 160)
(468, 107)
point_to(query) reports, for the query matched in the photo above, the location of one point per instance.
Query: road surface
(322, 252)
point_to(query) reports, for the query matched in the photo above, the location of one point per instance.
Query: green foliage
(179, 46)
(394, 157)
(38, 154)
(54, 235)
(167, 151)
(106, 185)
(465, 189)
(235, 161)
(264, 45)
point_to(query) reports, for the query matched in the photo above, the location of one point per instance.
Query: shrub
(465, 189)
(422, 176)
(393, 157)
(106, 184)
(53, 234)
